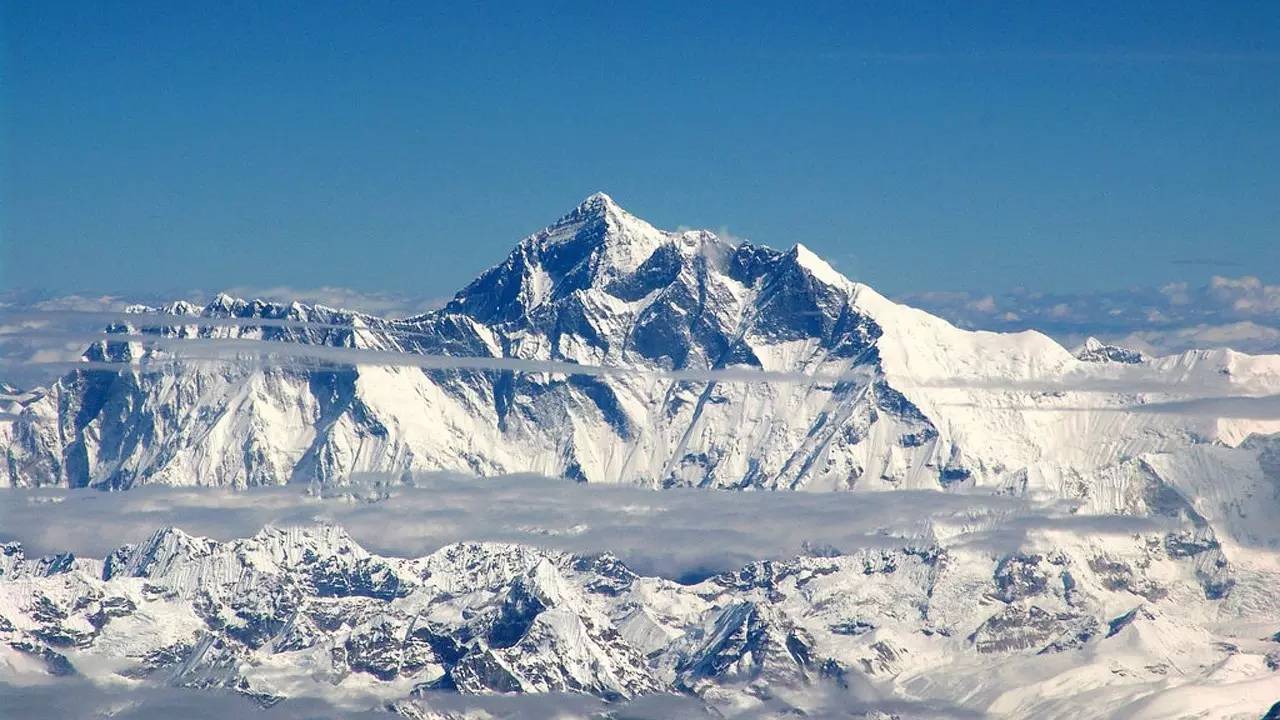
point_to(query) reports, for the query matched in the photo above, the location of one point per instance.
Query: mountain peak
(598, 200)
(819, 268)
(596, 206)
(1094, 350)
(596, 221)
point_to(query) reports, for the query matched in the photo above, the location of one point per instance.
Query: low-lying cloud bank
(684, 534)
(1242, 313)
(78, 698)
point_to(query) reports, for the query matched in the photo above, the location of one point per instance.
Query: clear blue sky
(406, 146)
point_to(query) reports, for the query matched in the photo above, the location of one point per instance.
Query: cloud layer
(1242, 313)
(676, 533)
(1238, 312)
(77, 698)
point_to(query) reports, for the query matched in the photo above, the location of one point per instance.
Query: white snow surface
(1148, 625)
(1174, 619)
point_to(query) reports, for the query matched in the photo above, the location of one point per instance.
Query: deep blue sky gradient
(406, 146)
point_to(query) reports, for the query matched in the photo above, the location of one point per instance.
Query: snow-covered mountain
(1077, 628)
(865, 393)
(605, 350)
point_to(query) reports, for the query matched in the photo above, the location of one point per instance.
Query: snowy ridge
(306, 612)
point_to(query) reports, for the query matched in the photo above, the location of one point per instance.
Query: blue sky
(403, 147)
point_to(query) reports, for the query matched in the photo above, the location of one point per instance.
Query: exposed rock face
(1094, 350)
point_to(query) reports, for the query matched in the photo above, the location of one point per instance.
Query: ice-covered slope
(867, 393)
(1071, 626)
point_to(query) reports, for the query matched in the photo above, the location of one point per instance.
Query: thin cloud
(674, 533)
(1125, 380)
(1207, 262)
(157, 319)
(723, 232)
(33, 324)
(237, 349)
(376, 303)
(1265, 407)
(77, 697)
(1232, 407)
(1242, 313)
(1080, 57)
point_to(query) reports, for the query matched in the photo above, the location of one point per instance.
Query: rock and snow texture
(1094, 350)
(848, 391)
(1078, 627)
(880, 396)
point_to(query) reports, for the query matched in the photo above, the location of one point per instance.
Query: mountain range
(604, 350)
(853, 391)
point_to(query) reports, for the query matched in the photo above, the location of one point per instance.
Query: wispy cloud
(1106, 57)
(1238, 312)
(24, 322)
(79, 698)
(1206, 262)
(1217, 395)
(1262, 407)
(675, 533)
(24, 310)
(189, 349)
(387, 304)
(723, 232)
(45, 336)
(1235, 407)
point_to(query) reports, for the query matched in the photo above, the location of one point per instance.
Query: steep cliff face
(864, 393)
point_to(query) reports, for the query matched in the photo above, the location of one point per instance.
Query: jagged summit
(597, 211)
(599, 202)
(597, 244)
(1094, 350)
(600, 245)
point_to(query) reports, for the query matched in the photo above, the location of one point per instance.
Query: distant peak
(1094, 350)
